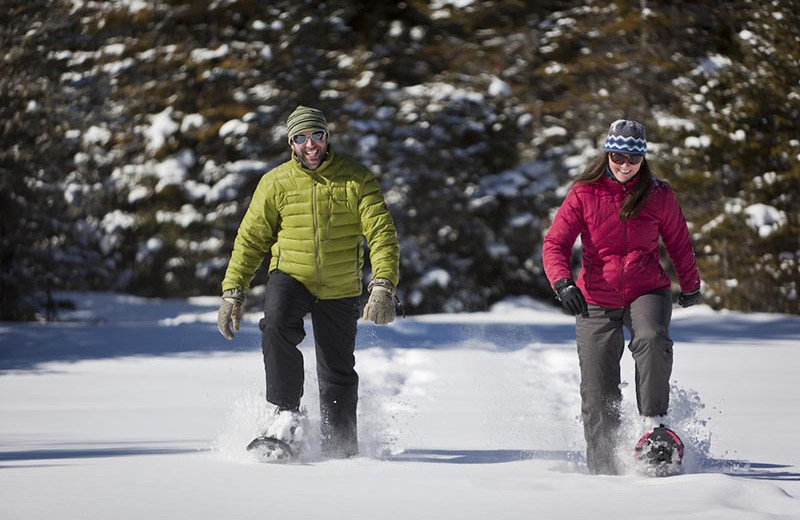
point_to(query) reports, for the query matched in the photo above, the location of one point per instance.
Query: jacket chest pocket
(294, 204)
(339, 194)
(341, 202)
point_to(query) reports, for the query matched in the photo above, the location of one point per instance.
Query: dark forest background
(133, 133)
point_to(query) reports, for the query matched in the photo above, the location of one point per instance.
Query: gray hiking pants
(601, 343)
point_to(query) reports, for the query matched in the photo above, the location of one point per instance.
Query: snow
(97, 135)
(174, 170)
(458, 4)
(499, 88)
(187, 216)
(712, 64)
(765, 219)
(136, 408)
(201, 55)
(436, 276)
(671, 122)
(192, 122)
(162, 126)
(234, 127)
(702, 141)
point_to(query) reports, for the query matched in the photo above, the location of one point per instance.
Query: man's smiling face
(312, 150)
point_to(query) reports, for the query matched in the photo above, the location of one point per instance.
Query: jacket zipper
(315, 226)
(624, 251)
(359, 249)
(330, 214)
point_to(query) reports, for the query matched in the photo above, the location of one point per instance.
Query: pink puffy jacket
(621, 260)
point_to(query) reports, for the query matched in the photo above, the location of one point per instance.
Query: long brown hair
(636, 197)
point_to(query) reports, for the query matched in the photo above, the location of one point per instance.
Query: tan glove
(380, 306)
(230, 312)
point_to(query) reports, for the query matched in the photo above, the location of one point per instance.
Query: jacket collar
(613, 183)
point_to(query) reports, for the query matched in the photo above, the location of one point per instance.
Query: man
(314, 213)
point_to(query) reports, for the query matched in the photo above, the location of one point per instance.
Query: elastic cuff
(381, 282)
(233, 294)
(562, 283)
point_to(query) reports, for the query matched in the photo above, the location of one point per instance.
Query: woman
(620, 211)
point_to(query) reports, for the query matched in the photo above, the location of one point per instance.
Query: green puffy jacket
(315, 223)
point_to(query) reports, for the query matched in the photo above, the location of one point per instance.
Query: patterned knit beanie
(305, 119)
(626, 136)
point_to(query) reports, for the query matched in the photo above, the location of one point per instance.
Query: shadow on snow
(26, 346)
(482, 456)
(119, 326)
(77, 452)
(733, 468)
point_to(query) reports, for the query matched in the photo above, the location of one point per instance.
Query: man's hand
(380, 306)
(230, 312)
(571, 297)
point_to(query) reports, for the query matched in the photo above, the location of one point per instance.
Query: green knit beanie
(305, 119)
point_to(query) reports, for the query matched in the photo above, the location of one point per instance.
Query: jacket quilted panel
(316, 223)
(620, 260)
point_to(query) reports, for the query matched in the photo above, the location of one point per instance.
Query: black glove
(689, 299)
(571, 297)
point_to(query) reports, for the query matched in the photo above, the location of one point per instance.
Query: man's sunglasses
(317, 136)
(618, 158)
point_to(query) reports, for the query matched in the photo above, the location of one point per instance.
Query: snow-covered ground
(134, 408)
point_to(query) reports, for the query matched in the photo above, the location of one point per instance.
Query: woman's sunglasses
(317, 136)
(618, 158)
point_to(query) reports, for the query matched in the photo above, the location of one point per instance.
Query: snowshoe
(284, 439)
(270, 449)
(659, 453)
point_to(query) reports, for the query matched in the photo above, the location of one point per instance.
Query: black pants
(335, 324)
